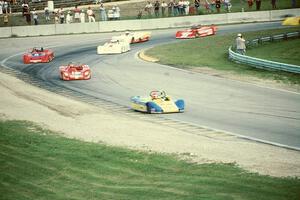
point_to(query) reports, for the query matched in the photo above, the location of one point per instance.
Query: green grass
(285, 51)
(39, 164)
(130, 10)
(212, 52)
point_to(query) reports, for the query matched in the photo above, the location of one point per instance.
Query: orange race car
(196, 31)
(38, 55)
(74, 71)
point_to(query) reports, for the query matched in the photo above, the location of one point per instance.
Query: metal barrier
(261, 63)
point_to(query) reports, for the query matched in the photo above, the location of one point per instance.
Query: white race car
(134, 37)
(115, 46)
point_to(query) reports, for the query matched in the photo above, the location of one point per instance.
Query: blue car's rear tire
(148, 108)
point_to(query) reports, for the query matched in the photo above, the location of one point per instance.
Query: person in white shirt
(118, 15)
(82, 17)
(34, 16)
(163, 5)
(186, 5)
(148, 8)
(1, 9)
(69, 18)
(91, 15)
(240, 44)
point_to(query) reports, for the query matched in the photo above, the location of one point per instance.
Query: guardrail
(261, 63)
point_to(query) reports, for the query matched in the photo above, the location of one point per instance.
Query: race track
(241, 108)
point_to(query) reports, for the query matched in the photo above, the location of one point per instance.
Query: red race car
(74, 71)
(38, 55)
(196, 31)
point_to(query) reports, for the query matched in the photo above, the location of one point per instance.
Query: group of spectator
(76, 15)
(155, 8)
(184, 7)
(80, 15)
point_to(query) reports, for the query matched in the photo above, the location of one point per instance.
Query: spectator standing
(56, 16)
(47, 14)
(240, 44)
(61, 15)
(103, 12)
(218, 5)
(1, 8)
(176, 9)
(258, 4)
(27, 15)
(208, 6)
(76, 14)
(69, 18)
(170, 8)
(273, 2)
(164, 5)
(186, 5)
(82, 16)
(34, 16)
(91, 15)
(148, 8)
(250, 4)
(197, 5)
(24, 8)
(293, 3)
(139, 15)
(5, 7)
(212, 5)
(117, 12)
(156, 8)
(181, 7)
(228, 5)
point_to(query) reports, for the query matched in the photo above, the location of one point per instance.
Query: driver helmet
(239, 35)
(155, 95)
(127, 33)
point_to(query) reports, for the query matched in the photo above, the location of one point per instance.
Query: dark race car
(196, 31)
(38, 55)
(74, 71)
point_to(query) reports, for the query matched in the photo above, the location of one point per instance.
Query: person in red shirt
(76, 14)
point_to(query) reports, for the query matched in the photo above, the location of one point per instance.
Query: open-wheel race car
(75, 71)
(135, 37)
(157, 102)
(38, 55)
(196, 31)
(114, 46)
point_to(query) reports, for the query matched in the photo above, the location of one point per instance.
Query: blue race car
(157, 102)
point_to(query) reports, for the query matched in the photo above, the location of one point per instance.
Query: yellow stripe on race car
(139, 107)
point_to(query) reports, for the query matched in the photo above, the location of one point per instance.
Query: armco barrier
(261, 63)
(143, 24)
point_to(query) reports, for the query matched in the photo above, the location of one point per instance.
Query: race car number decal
(185, 34)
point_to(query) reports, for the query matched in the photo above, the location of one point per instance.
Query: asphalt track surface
(241, 108)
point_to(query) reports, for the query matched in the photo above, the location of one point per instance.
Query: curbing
(147, 58)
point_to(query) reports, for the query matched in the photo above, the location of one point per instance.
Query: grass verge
(39, 164)
(212, 52)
